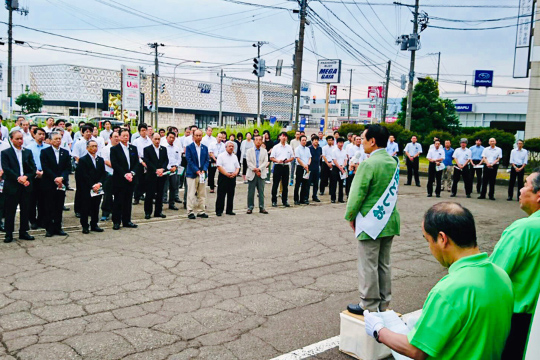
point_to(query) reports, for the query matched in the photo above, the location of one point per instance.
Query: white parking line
(311, 350)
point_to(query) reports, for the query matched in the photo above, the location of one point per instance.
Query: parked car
(99, 120)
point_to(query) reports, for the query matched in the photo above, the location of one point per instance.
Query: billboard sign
(483, 78)
(375, 92)
(523, 39)
(464, 107)
(329, 71)
(333, 94)
(131, 87)
(205, 88)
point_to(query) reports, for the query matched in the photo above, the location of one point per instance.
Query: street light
(174, 82)
(78, 70)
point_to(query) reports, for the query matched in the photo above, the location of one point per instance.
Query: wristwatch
(376, 334)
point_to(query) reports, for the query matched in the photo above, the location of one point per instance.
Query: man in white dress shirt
(107, 204)
(435, 156)
(106, 132)
(518, 161)
(171, 182)
(352, 150)
(463, 159)
(339, 171)
(303, 160)
(215, 147)
(140, 143)
(228, 167)
(412, 152)
(327, 163)
(282, 155)
(490, 158)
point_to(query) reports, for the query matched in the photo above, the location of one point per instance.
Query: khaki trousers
(196, 199)
(374, 276)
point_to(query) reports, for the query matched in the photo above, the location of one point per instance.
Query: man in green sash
(372, 213)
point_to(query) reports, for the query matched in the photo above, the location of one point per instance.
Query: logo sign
(329, 71)
(131, 87)
(333, 94)
(483, 78)
(302, 123)
(304, 87)
(205, 88)
(464, 107)
(321, 125)
(375, 92)
(273, 120)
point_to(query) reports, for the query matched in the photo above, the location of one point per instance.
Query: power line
(477, 29)
(427, 5)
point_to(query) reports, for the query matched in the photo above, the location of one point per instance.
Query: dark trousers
(467, 180)
(302, 183)
(281, 174)
(489, 177)
(478, 173)
(412, 168)
(140, 183)
(154, 190)
(226, 187)
(107, 204)
(348, 183)
(171, 187)
(212, 175)
(244, 166)
(54, 210)
(36, 212)
(314, 176)
(434, 175)
(21, 199)
(122, 204)
(182, 177)
(90, 208)
(2, 207)
(517, 339)
(513, 175)
(326, 174)
(336, 183)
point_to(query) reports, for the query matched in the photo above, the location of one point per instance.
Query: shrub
(356, 129)
(533, 147)
(442, 135)
(274, 130)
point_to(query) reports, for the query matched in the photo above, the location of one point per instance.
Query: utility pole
(152, 101)
(155, 88)
(10, 7)
(298, 60)
(465, 87)
(408, 117)
(385, 103)
(220, 119)
(350, 92)
(438, 68)
(294, 81)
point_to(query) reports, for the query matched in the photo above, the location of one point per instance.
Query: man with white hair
(228, 167)
(490, 158)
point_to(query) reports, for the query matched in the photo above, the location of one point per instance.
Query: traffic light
(403, 81)
(259, 67)
(162, 88)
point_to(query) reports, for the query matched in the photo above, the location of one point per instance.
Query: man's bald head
(452, 219)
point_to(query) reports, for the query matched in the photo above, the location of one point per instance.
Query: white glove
(373, 323)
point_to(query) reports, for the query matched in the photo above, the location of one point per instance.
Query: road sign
(333, 94)
(131, 87)
(329, 71)
(483, 78)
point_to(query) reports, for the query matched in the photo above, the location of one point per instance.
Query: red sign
(375, 92)
(333, 90)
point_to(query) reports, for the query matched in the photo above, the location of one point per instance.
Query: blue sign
(302, 124)
(321, 126)
(205, 88)
(483, 78)
(464, 107)
(272, 120)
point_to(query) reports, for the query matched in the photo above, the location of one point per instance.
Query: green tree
(30, 102)
(430, 112)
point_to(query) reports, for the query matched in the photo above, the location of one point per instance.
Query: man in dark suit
(197, 167)
(19, 172)
(156, 159)
(56, 164)
(124, 161)
(89, 176)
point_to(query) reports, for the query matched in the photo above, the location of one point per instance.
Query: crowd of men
(448, 166)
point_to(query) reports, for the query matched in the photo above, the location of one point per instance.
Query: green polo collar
(468, 261)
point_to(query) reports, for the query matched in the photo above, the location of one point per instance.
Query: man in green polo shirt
(518, 253)
(373, 215)
(467, 314)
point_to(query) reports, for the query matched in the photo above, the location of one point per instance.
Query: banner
(131, 87)
(375, 92)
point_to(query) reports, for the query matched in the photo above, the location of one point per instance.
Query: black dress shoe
(468, 196)
(249, 211)
(355, 309)
(130, 225)
(296, 203)
(418, 185)
(305, 203)
(172, 207)
(219, 214)
(429, 195)
(481, 197)
(263, 211)
(316, 200)
(116, 227)
(26, 236)
(191, 216)
(509, 199)
(286, 204)
(34, 226)
(453, 195)
(147, 216)
(60, 232)
(163, 216)
(8, 238)
(438, 195)
(492, 198)
(407, 184)
(178, 201)
(85, 231)
(96, 229)
(49, 234)
(136, 202)
(203, 215)
(333, 201)
(341, 201)
(77, 215)
(66, 208)
(274, 204)
(230, 213)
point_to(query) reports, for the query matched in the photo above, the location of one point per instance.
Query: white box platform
(354, 341)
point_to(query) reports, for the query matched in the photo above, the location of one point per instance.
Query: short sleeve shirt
(413, 149)
(435, 154)
(327, 152)
(519, 157)
(462, 156)
(392, 148)
(303, 153)
(467, 314)
(340, 156)
(282, 152)
(448, 156)
(491, 154)
(228, 162)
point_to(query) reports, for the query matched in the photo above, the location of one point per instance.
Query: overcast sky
(220, 34)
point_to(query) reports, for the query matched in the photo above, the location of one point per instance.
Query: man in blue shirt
(476, 152)
(392, 147)
(37, 198)
(448, 171)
